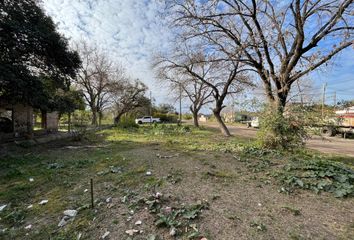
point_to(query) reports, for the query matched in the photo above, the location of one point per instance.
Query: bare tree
(222, 77)
(127, 96)
(198, 92)
(281, 41)
(96, 76)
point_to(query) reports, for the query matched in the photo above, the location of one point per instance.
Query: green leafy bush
(319, 175)
(127, 123)
(280, 132)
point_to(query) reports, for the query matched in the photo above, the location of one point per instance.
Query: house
(17, 120)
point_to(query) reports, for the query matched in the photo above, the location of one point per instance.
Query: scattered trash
(259, 204)
(29, 206)
(105, 235)
(148, 173)
(108, 200)
(204, 238)
(54, 166)
(112, 169)
(43, 202)
(79, 236)
(138, 222)
(158, 195)
(100, 173)
(31, 179)
(28, 227)
(63, 221)
(115, 169)
(131, 232)
(124, 199)
(173, 231)
(86, 190)
(2, 207)
(167, 156)
(70, 213)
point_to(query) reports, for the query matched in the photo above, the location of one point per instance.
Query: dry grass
(240, 187)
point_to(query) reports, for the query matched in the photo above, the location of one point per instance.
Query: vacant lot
(201, 185)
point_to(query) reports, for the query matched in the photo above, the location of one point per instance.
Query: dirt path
(332, 145)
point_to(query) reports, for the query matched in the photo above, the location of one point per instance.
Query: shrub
(280, 132)
(127, 122)
(187, 116)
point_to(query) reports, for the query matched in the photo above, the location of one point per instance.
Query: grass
(192, 159)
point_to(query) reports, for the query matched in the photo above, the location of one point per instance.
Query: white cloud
(130, 30)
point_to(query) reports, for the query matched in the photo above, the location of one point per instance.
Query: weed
(318, 175)
(259, 226)
(293, 210)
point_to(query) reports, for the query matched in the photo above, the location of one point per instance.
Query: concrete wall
(22, 117)
(52, 121)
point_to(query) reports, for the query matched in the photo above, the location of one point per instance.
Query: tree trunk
(69, 122)
(99, 118)
(117, 118)
(195, 119)
(224, 130)
(195, 111)
(29, 125)
(94, 117)
(43, 120)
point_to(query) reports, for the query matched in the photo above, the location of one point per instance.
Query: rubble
(70, 213)
(63, 221)
(105, 235)
(2, 207)
(43, 202)
(131, 232)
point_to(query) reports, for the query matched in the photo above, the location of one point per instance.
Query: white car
(255, 122)
(147, 119)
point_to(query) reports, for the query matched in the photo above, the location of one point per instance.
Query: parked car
(5, 125)
(147, 119)
(255, 122)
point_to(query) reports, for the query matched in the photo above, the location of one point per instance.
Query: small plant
(319, 175)
(259, 226)
(293, 210)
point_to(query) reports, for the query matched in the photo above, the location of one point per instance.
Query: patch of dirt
(243, 204)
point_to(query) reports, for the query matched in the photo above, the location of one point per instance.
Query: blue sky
(133, 33)
(129, 30)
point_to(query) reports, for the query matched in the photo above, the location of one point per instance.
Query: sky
(129, 30)
(132, 32)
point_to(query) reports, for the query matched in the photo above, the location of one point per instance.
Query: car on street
(147, 119)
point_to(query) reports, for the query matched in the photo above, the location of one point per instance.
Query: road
(333, 145)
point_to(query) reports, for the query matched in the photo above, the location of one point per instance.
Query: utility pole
(180, 103)
(150, 110)
(335, 101)
(323, 98)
